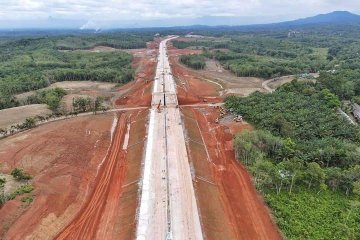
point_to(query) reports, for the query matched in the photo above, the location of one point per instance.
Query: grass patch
(21, 190)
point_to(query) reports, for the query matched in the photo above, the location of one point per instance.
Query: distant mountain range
(337, 17)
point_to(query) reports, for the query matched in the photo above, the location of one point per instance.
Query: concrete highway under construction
(168, 208)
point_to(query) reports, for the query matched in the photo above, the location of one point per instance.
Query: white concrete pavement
(168, 208)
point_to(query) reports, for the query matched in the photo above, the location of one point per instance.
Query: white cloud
(128, 10)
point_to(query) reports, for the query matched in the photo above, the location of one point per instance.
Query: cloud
(145, 10)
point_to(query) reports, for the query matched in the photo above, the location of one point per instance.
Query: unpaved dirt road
(271, 84)
(84, 226)
(168, 208)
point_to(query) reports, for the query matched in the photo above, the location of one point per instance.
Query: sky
(139, 13)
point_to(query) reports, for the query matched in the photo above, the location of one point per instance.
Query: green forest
(264, 56)
(271, 53)
(32, 63)
(302, 147)
(195, 61)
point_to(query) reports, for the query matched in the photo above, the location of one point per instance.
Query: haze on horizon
(159, 13)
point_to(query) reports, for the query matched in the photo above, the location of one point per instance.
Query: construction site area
(160, 165)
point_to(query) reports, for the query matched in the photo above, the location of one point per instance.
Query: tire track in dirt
(85, 224)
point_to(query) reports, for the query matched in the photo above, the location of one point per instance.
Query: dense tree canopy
(194, 61)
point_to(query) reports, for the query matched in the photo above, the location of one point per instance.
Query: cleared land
(99, 217)
(230, 207)
(215, 74)
(74, 87)
(135, 93)
(16, 115)
(63, 157)
(271, 84)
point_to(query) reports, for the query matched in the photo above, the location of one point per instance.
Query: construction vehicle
(159, 107)
(238, 118)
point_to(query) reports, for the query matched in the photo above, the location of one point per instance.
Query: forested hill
(337, 17)
(34, 62)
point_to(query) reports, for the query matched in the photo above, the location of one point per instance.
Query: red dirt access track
(86, 223)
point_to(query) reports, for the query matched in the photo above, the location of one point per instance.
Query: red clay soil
(63, 158)
(86, 223)
(124, 224)
(191, 89)
(108, 214)
(247, 216)
(154, 44)
(79, 193)
(85, 189)
(138, 92)
(215, 221)
(229, 205)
